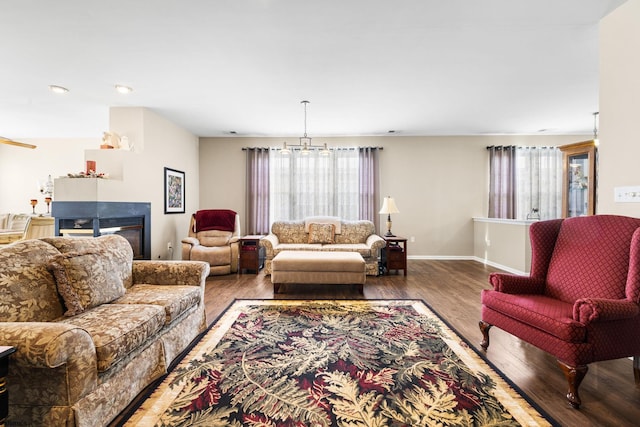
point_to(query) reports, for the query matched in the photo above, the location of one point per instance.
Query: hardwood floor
(452, 288)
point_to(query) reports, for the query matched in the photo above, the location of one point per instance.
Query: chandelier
(305, 143)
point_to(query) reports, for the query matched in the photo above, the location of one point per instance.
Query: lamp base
(389, 233)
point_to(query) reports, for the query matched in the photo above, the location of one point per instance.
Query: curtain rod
(278, 148)
(499, 147)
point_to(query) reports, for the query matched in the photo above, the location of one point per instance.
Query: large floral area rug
(334, 363)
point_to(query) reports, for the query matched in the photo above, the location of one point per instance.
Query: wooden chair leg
(636, 370)
(574, 376)
(484, 328)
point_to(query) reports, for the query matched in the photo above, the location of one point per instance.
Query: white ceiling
(419, 67)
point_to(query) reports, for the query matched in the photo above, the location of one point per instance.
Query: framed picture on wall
(173, 191)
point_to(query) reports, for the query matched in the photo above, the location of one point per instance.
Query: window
(538, 183)
(307, 185)
(525, 182)
(344, 184)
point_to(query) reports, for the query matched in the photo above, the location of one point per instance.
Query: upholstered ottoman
(318, 267)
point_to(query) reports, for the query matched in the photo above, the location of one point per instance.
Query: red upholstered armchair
(580, 300)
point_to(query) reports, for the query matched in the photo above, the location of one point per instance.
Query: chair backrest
(591, 258)
(18, 222)
(215, 237)
(4, 220)
(39, 226)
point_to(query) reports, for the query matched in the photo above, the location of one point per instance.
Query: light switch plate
(627, 194)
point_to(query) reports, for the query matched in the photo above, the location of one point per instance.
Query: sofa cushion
(323, 220)
(118, 329)
(355, 231)
(27, 287)
(86, 280)
(360, 248)
(113, 246)
(214, 237)
(215, 255)
(175, 299)
(289, 231)
(321, 233)
(296, 247)
(553, 316)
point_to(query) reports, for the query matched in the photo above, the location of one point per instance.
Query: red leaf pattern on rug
(210, 395)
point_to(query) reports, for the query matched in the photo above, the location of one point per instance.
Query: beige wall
(619, 150)
(21, 169)
(158, 143)
(503, 243)
(439, 183)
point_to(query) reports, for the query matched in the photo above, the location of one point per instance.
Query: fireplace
(131, 220)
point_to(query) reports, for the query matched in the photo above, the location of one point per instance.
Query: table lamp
(389, 207)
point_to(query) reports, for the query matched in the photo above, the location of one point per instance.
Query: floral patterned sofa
(324, 234)
(91, 326)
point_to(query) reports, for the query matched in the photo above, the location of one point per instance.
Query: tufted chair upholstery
(217, 247)
(580, 302)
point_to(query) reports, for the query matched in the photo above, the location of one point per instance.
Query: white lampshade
(389, 206)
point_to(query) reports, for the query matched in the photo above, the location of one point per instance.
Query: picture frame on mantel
(173, 191)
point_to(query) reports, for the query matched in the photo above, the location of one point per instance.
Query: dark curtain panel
(502, 182)
(257, 203)
(369, 184)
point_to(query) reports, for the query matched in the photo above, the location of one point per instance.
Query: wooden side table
(252, 255)
(394, 255)
(5, 352)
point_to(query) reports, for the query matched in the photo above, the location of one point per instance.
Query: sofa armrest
(191, 241)
(376, 243)
(515, 284)
(587, 310)
(43, 346)
(269, 242)
(188, 243)
(192, 273)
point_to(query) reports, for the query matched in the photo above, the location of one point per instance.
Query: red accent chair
(580, 302)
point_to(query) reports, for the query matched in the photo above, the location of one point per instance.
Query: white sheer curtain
(538, 182)
(306, 185)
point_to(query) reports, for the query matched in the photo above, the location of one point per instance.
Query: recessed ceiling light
(391, 131)
(233, 132)
(123, 89)
(58, 89)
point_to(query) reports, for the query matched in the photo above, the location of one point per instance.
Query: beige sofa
(91, 326)
(12, 227)
(311, 234)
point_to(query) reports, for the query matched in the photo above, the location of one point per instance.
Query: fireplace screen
(130, 220)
